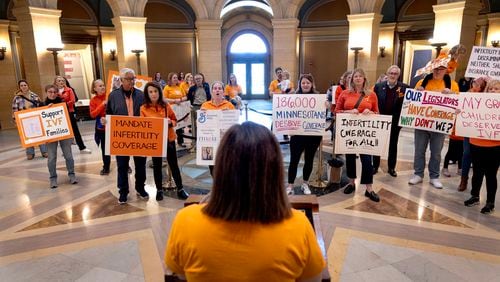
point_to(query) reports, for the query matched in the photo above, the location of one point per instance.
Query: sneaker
(289, 190)
(446, 172)
(53, 183)
(372, 196)
(349, 188)
(45, 155)
(472, 201)
(415, 179)
(143, 195)
(436, 183)
(30, 157)
(305, 188)
(73, 179)
(104, 171)
(85, 151)
(159, 195)
(123, 199)
(489, 208)
(182, 194)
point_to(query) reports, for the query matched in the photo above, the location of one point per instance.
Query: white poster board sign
(479, 116)
(182, 113)
(362, 134)
(211, 127)
(299, 114)
(484, 61)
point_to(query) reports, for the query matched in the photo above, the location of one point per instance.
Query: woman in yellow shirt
(247, 230)
(175, 94)
(233, 91)
(188, 82)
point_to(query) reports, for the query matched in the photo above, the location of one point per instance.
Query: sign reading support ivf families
(211, 127)
(182, 113)
(362, 134)
(484, 61)
(299, 114)
(45, 124)
(429, 111)
(479, 116)
(136, 136)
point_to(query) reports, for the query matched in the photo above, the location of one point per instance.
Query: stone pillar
(209, 49)
(493, 28)
(364, 32)
(385, 39)
(108, 39)
(39, 29)
(285, 51)
(130, 35)
(8, 75)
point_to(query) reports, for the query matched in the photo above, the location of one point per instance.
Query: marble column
(8, 75)
(285, 51)
(386, 40)
(131, 35)
(209, 55)
(493, 28)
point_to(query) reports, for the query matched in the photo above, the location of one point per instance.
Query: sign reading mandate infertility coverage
(299, 114)
(136, 136)
(429, 111)
(45, 124)
(479, 116)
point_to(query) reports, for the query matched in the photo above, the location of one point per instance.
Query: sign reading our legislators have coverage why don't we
(136, 136)
(299, 114)
(429, 111)
(479, 116)
(42, 125)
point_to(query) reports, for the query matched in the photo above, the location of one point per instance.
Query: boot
(463, 183)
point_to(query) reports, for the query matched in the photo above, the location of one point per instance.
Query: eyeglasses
(130, 78)
(393, 73)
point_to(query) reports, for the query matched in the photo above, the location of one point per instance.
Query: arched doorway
(248, 59)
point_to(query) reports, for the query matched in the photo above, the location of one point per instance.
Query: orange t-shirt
(209, 105)
(159, 112)
(185, 86)
(173, 92)
(347, 100)
(232, 91)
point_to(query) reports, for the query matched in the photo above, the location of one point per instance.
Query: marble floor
(80, 233)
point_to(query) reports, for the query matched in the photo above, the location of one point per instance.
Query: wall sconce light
(356, 54)
(382, 51)
(438, 46)
(54, 51)
(494, 43)
(112, 54)
(2, 53)
(137, 53)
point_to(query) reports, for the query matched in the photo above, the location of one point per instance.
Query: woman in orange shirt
(154, 106)
(175, 94)
(233, 91)
(188, 82)
(98, 111)
(358, 99)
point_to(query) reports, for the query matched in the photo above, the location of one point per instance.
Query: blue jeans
(31, 150)
(466, 158)
(422, 139)
(68, 156)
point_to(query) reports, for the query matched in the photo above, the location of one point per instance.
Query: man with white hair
(127, 101)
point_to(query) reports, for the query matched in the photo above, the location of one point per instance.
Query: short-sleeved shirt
(225, 105)
(348, 99)
(173, 92)
(232, 91)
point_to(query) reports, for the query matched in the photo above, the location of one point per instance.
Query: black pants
(366, 167)
(76, 131)
(140, 173)
(455, 152)
(298, 144)
(172, 163)
(485, 162)
(393, 148)
(180, 136)
(106, 160)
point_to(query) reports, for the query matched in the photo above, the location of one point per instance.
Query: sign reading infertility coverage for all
(429, 111)
(479, 116)
(45, 124)
(211, 127)
(136, 136)
(362, 134)
(299, 114)
(484, 61)
(182, 113)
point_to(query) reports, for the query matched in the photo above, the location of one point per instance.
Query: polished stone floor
(80, 233)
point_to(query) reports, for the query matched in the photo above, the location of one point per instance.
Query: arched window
(248, 43)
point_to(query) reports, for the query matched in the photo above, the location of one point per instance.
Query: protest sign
(299, 114)
(114, 82)
(362, 134)
(182, 113)
(484, 61)
(429, 111)
(136, 136)
(211, 127)
(42, 125)
(479, 116)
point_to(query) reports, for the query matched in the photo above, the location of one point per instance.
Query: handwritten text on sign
(182, 113)
(430, 111)
(479, 116)
(484, 61)
(136, 136)
(362, 134)
(299, 114)
(45, 124)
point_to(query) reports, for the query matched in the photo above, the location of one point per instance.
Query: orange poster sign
(44, 124)
(114, 81)
(136, 136)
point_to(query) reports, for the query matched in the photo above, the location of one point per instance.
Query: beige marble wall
(131, 35)
(108, 38)
(386, 39)
(493, 28)
(285, 42)
(7, 73)
(209, 49)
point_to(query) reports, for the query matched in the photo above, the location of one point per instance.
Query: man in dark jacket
(197, 95)
(390, 96)
(127, 101)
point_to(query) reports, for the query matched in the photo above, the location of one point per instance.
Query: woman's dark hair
(309, 77)
(22, 80)
(147, 99)
(248, 177)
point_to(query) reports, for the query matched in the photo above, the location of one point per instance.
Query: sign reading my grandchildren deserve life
(45, 124)
(479, 116)
(299, 114)
(136, 136)
(429, 111)
(362, 134)
(484, 61)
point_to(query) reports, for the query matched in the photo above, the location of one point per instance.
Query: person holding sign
(53, 97)
(358, 99)
(438, 81)
(198, 94)
(485, 162)
(98, 111)
(302, 144)
(127, 101)
(249, 214)
(174, 93)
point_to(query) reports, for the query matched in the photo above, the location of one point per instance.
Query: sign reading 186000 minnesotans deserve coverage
(299, 114)
(429, 111)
